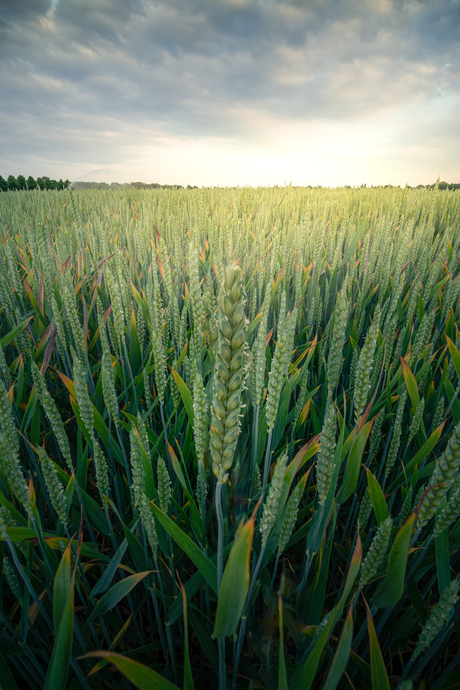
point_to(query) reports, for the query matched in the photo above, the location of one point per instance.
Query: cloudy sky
(231, 92)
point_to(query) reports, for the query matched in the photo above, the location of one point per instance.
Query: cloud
(233, 70)
(11, 10)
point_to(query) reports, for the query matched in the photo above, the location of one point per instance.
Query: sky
(231, 92)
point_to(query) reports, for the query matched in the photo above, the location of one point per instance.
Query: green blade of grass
(391, 589)
(235, 584)
(112, 597)
(342, 654)
(378, 671)
(377, 497)
(143, 677)
(58, 668)
(202, 562)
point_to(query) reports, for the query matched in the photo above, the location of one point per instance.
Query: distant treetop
(20, 183)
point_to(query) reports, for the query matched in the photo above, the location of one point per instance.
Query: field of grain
(230, 439)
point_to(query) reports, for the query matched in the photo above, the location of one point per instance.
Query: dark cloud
(22, 9)
(73, 70)
(88, 22)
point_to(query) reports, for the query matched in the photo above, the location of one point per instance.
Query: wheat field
(230, 439)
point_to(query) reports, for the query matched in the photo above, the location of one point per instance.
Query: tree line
(20, 183)
(13, 184)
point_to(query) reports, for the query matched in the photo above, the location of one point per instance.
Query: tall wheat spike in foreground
(228, 372)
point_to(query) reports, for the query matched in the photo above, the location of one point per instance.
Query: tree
(21, 180)
(31, 184)
(12, 184)
(3, 185)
